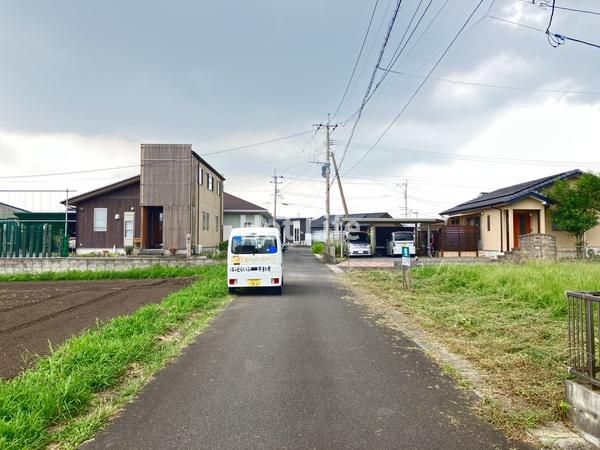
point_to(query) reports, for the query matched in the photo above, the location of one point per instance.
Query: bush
(223, 246)
(318, 248)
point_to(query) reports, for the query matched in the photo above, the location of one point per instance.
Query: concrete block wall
(38, 265)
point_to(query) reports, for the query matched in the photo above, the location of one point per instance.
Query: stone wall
(38, 265)
(538, 246)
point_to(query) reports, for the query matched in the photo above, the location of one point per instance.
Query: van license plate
(253, 282)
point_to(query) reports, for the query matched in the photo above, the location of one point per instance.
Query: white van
(399, 239)
(255, 259)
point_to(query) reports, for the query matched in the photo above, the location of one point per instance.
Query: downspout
(501, 230)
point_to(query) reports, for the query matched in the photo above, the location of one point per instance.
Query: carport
(380, 226)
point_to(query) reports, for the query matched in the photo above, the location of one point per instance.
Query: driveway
(304, 370)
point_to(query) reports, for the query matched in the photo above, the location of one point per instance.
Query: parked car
(357, 243)
(399, 239)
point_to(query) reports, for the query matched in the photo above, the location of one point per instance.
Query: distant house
(504, 215)
(296, 230)
(318, 225)
(7, 211)
(239, 213)
(177, 194)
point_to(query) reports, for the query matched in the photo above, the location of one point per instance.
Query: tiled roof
(231, 203)
(511, 194)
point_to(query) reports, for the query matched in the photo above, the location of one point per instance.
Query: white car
(357, 243)
(399, 239)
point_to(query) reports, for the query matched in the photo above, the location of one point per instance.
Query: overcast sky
(82, 85)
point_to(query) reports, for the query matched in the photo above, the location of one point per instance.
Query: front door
(128, 227)
(522, 225)
(155, 227)
(296, 231)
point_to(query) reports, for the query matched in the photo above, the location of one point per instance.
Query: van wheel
(278, 290)
(233, 290)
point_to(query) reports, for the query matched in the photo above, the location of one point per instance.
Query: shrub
(223, 246)
(318, 248)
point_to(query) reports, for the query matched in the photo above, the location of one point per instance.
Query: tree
(576, 206)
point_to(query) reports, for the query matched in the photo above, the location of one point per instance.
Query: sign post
(406, 281)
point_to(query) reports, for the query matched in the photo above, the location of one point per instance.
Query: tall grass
(536, 285)
(62, 385)
(156, 271)
(508, 320)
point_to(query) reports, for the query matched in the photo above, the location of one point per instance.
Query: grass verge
(156, 271)
(509, 321)
(67, 397)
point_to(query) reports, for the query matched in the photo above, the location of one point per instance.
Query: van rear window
(252, 245)
(403, 236)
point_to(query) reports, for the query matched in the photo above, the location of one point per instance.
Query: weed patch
(507, 320)
(58, 401)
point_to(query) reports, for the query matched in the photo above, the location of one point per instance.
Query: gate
(30, 240)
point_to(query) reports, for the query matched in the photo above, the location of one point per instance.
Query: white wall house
(238, 212)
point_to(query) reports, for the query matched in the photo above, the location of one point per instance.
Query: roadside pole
(406, 276)
(327, 175)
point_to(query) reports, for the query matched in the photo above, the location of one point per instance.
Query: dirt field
(32, 314)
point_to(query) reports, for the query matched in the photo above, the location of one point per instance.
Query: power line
(501, 19)
(357, 60)
(67, 173)
(555, 39)
(372, 79)
(496, 86)
(256, 144)
(543, 4)
(491, 159)
(416, 92)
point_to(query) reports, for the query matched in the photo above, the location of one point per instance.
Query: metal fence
(584, 334)
(30, 240)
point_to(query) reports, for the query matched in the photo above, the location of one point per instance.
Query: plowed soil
(37, 315)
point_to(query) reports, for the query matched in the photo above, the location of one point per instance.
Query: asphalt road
(304, 370)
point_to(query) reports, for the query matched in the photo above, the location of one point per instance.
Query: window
(251, 245)
(210, 182)
(489, 223)
(200, 175)
(404, 236)
(100, 219)
(217, 223)
(218, 188)
(205, 221)
(248, 224)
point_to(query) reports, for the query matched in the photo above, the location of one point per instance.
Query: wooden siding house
(177, 194)
(104, 214)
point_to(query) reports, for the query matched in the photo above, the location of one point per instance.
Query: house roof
(6, 205)
(203, 161)
(511, 194)
(232, 204)
(103, 190)
(320, 222)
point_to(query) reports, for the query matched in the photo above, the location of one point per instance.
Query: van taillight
(232, 281)
(274, 280)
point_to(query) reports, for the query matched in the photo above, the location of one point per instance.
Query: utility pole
(328, 128)
(404, 185)
(275, 182)
(337, 175)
